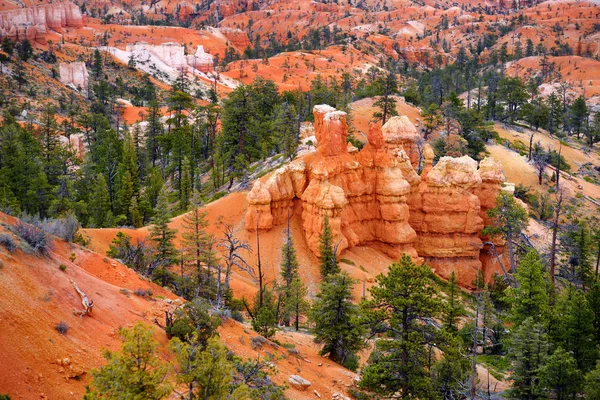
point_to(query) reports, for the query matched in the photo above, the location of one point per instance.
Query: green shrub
(62, 267)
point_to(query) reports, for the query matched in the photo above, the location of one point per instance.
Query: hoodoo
(376, 197)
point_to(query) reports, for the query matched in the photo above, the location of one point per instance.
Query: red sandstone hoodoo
(376, 197)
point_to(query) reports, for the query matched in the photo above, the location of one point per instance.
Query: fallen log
(87, 303)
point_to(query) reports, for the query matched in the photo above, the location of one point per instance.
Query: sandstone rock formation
(74, 74)
(33, 23)
(376, 197)
(172, 55)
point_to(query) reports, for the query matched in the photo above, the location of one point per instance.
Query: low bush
(62, 267)
(35, 237)
(64, 228)
(8, 242)
(62, 327)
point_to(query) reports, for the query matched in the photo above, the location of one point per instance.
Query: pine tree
(509, 219)
(593, 297)
(530, 297)
(528, 350)
(198, 251)
(453, 308)
(289, 273)
(336, 320)
(573, 327)
(99, 203)
(206, 374)
(450, 372)
(165, 253)
(592, 383)
(135, 372)
(560, 375)
(327, 257)
(295, 303)
(264, 318)
(97, 64)
(286, 126)
(402, 303)
(185, 185)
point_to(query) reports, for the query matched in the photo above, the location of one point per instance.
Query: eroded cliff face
(33, 23)
(376, 197)
(173, 55)
(74, 74)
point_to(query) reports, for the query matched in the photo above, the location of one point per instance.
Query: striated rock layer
(376, 197)
(33, 23)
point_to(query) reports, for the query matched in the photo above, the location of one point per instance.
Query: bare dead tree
(232, 246)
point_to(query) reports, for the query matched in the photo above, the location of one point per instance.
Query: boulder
(298, 382)
(74, 74)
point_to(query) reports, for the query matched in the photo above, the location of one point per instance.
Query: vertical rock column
(451, 222)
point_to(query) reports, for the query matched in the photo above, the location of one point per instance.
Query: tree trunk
(559, 198)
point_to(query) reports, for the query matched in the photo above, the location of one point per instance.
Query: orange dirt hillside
(38, 362)
(37, 295)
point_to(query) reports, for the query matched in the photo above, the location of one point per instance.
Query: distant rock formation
(74, 74)
(238, 38)
(375, 196)
(173, 55)
(34, 23)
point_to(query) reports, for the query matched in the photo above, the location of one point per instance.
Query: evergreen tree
(592, 383)
(528, 350)
(403, 302)
(453, 308)
(450, 372)
(579, 115)
(185, 185)
(593, 297)
(289, 273)
(327, 258)
(99, 203)
(198, 249)
(264, 316)
(560, 375)
(529, 299)
(206, 374)
(295, 303)
(336, 320)
(573, 328)
(287, 126)
(136, 372)
(509, 219)
(165, 253)
(97, 64)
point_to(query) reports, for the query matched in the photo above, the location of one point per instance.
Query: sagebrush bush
(62, 327)
(8, 242)
(35, 237)
(64, 228)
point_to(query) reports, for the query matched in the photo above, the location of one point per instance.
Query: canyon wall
(33, 23)
(375, 196)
